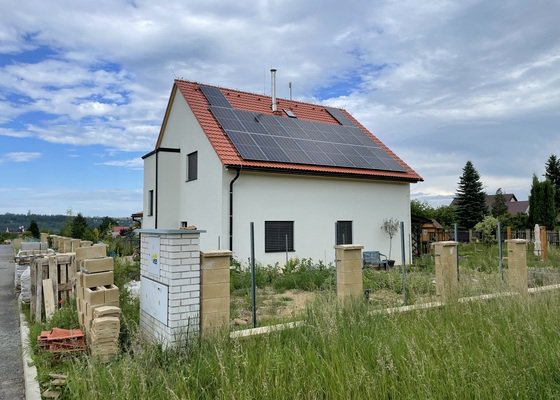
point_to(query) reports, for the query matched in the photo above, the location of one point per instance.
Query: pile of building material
(96, 290)
(60, 340)
(104, 332)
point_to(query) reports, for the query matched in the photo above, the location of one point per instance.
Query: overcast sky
(84, 85)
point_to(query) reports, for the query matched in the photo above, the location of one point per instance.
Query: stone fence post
(447, 285)
(349, 280)
(214, 291)
(517, 266)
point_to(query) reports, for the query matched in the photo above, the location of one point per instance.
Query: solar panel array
(264, 137)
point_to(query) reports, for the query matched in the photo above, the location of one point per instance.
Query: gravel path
(11, 365)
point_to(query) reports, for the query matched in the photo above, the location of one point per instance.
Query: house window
(192, 166)
(151, 202)
(344, 232)
(278, 236)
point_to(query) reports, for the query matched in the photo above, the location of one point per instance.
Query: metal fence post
(403, 264)
(456, 234)
(253, 275)
(500, 250)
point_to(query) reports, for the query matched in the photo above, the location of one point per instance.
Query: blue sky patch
(34, 56)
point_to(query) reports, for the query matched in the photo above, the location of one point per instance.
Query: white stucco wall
(169, 171)
(148, 221)
(199, 202)
(315, 204)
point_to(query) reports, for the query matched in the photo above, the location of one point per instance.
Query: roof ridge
(262, 95)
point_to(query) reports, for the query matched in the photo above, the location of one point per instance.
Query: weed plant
(501, 349)
(299, 274)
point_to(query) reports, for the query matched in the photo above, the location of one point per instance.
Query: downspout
(157, 191)
(231, 208)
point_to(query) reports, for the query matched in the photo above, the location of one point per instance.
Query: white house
(308, 176)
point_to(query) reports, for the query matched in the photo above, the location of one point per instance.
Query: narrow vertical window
(343, 232)
(192, 166)
(151, 202)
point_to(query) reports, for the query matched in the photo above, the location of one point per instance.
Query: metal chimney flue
(273, 91)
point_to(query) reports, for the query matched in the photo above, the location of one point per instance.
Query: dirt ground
(271, 306)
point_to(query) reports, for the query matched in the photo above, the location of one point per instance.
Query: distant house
(308, 176)
(118, 231)
(514, 206)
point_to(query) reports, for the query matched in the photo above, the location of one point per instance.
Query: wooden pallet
(60, 270)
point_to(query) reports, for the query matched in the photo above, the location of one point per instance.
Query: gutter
(231, 208)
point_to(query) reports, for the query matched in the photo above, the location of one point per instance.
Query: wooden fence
(52, 283)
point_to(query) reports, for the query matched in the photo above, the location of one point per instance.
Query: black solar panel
(339, 116)
(214, 96)
(265, 137)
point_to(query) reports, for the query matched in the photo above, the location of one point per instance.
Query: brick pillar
(447, 286)
(508, 233)
(349, 281)
(170, 285)
(517, 265)
(214, 291)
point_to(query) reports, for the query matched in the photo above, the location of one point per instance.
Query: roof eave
(354, 175)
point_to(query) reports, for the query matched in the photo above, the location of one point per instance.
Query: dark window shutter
(344, 232)
(275, 233)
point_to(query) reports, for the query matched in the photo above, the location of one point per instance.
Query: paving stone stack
(96, 289)
(104, 332)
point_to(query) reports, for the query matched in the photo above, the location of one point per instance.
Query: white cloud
(135, 163)
(20, 156)
(439, 82)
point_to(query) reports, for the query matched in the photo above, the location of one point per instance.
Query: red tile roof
(261, 104)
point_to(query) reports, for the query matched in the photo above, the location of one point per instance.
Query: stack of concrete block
(104, 332)
(95, 283)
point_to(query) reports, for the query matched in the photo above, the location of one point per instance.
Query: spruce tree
(471, 199)
(499, 207)
(34, 229)
(553, 175)
(79, 226)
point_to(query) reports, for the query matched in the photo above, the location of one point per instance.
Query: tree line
(469, 208)
(78, 227)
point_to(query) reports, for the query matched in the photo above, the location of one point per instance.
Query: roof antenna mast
(290, 86)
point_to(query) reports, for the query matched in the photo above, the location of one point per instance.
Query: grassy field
(504, 348)
(500, 349)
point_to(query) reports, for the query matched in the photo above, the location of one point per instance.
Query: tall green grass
(501, 349)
